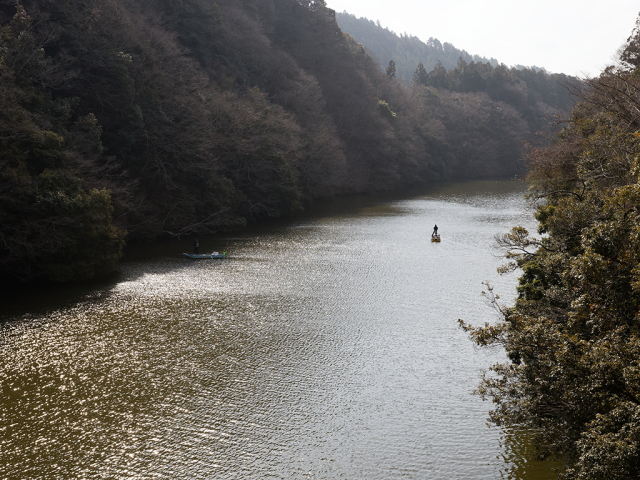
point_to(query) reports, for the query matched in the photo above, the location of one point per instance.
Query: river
(323, 347)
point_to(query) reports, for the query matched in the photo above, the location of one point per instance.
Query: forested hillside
(133, 119)
(405, 50)
(532, 92)
(573, 337)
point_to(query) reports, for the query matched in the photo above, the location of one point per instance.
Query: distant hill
(534, 93)
(405, 50)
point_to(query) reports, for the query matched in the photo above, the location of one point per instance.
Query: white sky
(576, 37)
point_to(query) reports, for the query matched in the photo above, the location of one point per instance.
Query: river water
(322, 348)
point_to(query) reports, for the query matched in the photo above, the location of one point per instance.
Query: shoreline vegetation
(131, 120)
(573, 336)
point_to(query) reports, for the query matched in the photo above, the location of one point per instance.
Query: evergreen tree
(391, 69)
(438, 76)
(420, 76)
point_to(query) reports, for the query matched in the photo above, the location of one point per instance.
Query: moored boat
(201, 256)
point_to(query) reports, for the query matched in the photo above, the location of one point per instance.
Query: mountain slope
(405, 50)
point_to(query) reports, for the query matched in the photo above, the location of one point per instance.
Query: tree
(53, 225)
(420, 76)
(573, 335)
(391, 69)
(438, 76)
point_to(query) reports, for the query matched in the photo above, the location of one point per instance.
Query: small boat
(435, 238)
(199, 256)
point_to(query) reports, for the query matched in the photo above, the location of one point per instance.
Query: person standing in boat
(196, 246)
(435, 231)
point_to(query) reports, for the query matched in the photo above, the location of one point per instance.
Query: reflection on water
(521, 461)
(323, 348)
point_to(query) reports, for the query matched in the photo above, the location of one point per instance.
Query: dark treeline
(133, 119)
(573, 336)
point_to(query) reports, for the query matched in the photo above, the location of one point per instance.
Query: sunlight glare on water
(325, 348)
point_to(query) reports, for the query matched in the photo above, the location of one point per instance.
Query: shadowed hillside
(133, 119)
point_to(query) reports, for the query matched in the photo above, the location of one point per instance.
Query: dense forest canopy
(125, 120)
(573, 336)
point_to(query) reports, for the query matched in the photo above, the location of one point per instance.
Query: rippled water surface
(324, 348)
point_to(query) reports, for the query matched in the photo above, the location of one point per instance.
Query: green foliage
(573, 336)
(83, 241)
(51, 227)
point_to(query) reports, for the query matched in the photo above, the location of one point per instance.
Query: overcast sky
(576, 37)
